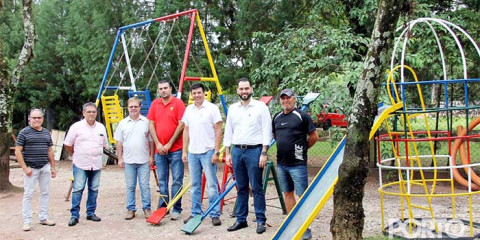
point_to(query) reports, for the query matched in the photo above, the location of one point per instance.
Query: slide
(313, 199)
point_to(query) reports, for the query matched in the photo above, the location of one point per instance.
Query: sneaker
(175, 216)
(307, 235)
(147, 213)
(188, 219)
(216, 221)
(130, 215)
(26, 227)
(47, 222)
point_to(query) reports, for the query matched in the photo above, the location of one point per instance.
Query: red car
(329, 119)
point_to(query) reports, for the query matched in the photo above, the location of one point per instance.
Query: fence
(319, 152)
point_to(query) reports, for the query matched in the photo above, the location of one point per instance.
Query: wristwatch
(217, 153)
(264, 153)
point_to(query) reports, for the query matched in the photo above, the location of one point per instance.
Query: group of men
(168, 137)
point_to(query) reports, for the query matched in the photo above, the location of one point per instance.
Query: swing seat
(113, 114)
(145, 99)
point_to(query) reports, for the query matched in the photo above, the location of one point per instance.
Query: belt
(244, 146)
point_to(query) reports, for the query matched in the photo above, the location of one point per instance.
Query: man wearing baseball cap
(295, 133)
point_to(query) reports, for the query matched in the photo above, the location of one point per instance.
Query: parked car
(326, 119)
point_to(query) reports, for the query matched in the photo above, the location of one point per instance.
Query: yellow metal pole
(209, 56)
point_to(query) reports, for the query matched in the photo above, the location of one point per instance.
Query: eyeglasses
(36, 117)
(91, 111)
(133, 106)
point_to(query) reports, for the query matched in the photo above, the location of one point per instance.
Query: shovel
(160, 213)
(193, 223)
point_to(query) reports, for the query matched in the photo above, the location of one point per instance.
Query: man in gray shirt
(35, 155)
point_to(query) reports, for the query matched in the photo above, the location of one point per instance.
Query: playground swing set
(126, 65)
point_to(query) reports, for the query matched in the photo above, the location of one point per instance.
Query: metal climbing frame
(407, 158)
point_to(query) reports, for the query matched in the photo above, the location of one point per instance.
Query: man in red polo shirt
(165, 115)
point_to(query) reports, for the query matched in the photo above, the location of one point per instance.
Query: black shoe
(188, 219)
(94, 218)
(73, 222)
(216, 221)
(261, 228)
(237, 225)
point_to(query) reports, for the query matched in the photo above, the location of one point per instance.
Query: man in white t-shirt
(135, 150)
(202, 134)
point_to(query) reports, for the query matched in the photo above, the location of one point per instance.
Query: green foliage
(321, 56)
(311, 46)
(11, 31)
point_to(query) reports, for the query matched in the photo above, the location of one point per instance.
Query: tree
(9, 86)
(348, 215)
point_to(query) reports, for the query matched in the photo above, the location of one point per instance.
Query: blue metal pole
(224, 104)
(135, 25)
(109, 64)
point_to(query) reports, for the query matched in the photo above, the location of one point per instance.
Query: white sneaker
(175, 216)
(47, 222)
(26, 227)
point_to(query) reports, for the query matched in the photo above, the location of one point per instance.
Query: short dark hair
(166, 81)
(244, 80)
(197, 85)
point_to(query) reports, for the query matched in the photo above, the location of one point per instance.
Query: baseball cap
(288, 92)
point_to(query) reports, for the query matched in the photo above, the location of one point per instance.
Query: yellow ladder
(113, 113)
(411, 151)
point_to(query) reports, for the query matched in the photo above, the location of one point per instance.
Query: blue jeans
(197, 162)
(293, 178)
(172, 160)
(142, 172)
(245, 167)
(80, 178)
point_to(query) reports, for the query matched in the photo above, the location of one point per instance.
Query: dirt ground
(111, 208)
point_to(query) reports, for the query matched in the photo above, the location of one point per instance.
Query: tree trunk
(9, 87)
(5, 125)
(348, 214)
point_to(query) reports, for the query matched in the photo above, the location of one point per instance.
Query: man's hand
(262, 161)
(151, 160)
(166, 148)
(184, 157)
(159, 147)
(214, 158)
(53, 172)
(120, 163)
(28, 171)
(228, 160)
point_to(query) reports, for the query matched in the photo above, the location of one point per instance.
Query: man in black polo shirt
(294, 133)
(35, 155)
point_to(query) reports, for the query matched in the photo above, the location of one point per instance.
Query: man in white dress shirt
(248, 132)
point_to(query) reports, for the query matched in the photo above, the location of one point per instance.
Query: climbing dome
(426, 136)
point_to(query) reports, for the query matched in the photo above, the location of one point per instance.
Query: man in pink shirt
(85, 142)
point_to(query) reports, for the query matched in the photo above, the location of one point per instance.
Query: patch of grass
(381, 237)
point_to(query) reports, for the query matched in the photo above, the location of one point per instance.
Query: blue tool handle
(218, 199)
